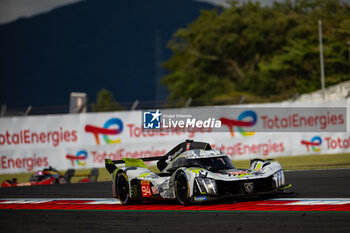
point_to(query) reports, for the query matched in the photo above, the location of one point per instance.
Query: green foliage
(105, 102)
(267, 53)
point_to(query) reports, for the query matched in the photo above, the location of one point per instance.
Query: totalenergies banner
(242, 132)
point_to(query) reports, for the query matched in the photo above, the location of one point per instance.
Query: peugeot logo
(249, 186)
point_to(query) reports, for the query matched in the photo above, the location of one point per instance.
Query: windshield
(211, 164)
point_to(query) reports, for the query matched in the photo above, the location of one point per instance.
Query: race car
(193, 172)
(52, 176)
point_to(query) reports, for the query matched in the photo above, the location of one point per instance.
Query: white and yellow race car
(192, 172)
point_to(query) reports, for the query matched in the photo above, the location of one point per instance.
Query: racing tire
(182, 189)
(122, 188)
(61, 180)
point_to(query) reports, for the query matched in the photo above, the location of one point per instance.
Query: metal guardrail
(64, 109)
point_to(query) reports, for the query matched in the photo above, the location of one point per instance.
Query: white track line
(100, 201)
(310, 199)
(325, 169)
(96, 201)
(61, 198)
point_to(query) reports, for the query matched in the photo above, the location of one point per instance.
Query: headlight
(206, 185)
(278, 177)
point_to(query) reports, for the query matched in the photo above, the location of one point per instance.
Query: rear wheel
(122, 188)
(182, 189)
(62, 180)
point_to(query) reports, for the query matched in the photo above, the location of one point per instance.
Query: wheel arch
(115, 174)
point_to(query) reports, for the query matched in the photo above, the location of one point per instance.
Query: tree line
(266, 53)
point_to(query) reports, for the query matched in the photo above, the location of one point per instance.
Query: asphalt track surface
(307, 184)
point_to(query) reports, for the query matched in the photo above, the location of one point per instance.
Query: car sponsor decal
(154, 190)
(171, 157)
(201, 198)
(240, 173)
(195, 170)
(145, 188)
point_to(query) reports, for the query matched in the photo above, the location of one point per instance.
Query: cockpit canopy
(211, 160)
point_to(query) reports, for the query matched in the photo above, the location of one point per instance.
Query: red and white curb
(277, 204)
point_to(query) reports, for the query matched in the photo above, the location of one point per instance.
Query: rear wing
(161, 164)
(111, 164)
(147, 159)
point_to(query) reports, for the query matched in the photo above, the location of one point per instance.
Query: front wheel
(122, 188)
(182, 189)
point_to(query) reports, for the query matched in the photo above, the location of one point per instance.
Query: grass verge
(305, 162)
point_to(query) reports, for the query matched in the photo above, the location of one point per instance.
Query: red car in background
(51, 175)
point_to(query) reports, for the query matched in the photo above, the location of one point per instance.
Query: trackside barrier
(84, 140)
